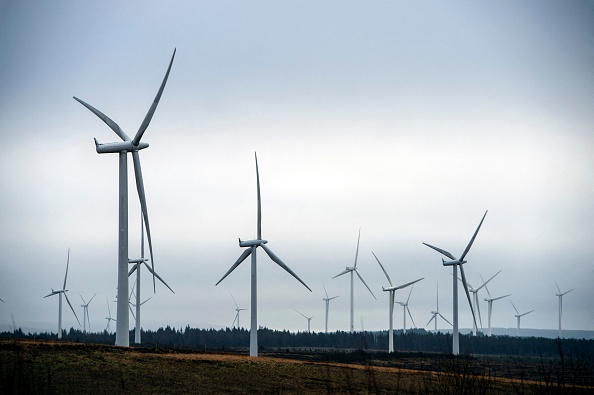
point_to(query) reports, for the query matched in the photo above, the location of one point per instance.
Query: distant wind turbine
(85, 307)
(307, 318)
(353, 269)
(61, 292)
(405, 309)
(327, 299)
(123, 148)
(108, 318)
(490, 301)
(455, 262)
(237, 310)
(560, 296)
(437, 313)
(475, 301)
(252, 245)
(518, 316)
(392, 290)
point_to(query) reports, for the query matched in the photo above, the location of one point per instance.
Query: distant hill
(529, 332)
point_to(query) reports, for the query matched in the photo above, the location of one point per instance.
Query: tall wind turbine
(61, 292)
(237, 310)
(455, 262)
(392, 290)
(85, 307)
(518, 316)
(353, 269)
(137, 266)
(475, 301)
(307, 318)
(251, 246)
(327, 299)
(122, 148)
(560, 296)
(436, 313)
(490, 301)
(108, 318)
(405, 309)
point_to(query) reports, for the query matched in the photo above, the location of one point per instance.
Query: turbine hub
(251, 243)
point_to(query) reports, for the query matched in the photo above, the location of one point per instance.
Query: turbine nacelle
(123, 146)
(452, 263)
(251, 243)
(140, 260)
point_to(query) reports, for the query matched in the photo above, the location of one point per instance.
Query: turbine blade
(133, 269)
(363, 281)
(357, 253)
(341, 273)
(82, 299)
(108, 309)
(131, 312)
(299, 312)
(486, 288)
(409, 293)
(410, 315)
(112, 125)
(565, 293)
(146, 300)
(478, 310)
(91, 299)
(241, 258)
(142, 197)
(236, 315)
(486, 282)
(467, 293)
(71, 308)
(473, 237)
(282, 264)
(234, 300)
(501, 297)
(67, 263)
(517, 312)
(334, 297)
(558, 289)
(259, 201)
(159, 277)
(151, 111)
(445, 319)
(432, 318)
(326, 292)
(444, 252)
(382, 266)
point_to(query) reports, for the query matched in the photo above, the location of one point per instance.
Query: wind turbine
(518, 316)
(490, 301)
(405, 309)
(437, 313)
(122, 148)
(327, 299)
(237, 310)
(475, 300)
(61, 292)
(137, 266)
(307, 318)
(353, 269)
(108, 318)
(392, 290)
(251, 246)
(85, 307)
(455, 262)
(560, 296)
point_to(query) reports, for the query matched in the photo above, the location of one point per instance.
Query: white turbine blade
(357, 253)
(467, 293)
(67, 263)
(501, 297)
(486, 288)
(112, 125)
(142, 197)
(517, 312)
(71, 308)
(486, 282)
(283, 265)
(334, 297)
(558, 289)
(156, 275)
(445, 319)
(341, 273)
(299, 312)
(410, 315)
(326, 292)
(241, 258)
(91, 299)
(565, 293)
(53, 293)
(259, 201)
(432, 318)
(473, 237)
(131, 312)
(146, 300)
(521, 315)
(236, 306)
(82, 299)
(382, 266)
(478, 310)
(134, 267)
(108, 309)
(132, 291)
(363, 281)
(151, 111)
(236, 315)
(444, 252)
(409, 293)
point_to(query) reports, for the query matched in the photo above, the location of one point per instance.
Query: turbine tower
(85, 307)
(307, 318)
(61, 292)
(405, 309)
(251, 246)
(455, 262)
(353, 269)
(108, 318)
(475, 300)
(237, 310)
(392, 290)
(437, 313)
(560, 296)
(327, 299)
(518, 316)
(137, 266)
(123, 148)
(490, 301)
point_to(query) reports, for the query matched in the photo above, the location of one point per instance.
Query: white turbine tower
(455, 262)
(475, 301)
(392, 290)
(307, 318)
(108, 318)
(405, 309)
(237, 310)
(85, 307)
(353, 269)
(560, 296)
(251, 246)
(123, 148)
(490, 301)
(61, 292)
(327, 299)
(137, 266)
(436, 313)
(518, 316)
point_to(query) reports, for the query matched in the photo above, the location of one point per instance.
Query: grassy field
(46, 367)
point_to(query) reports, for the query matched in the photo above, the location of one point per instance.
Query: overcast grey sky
(407, 119)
